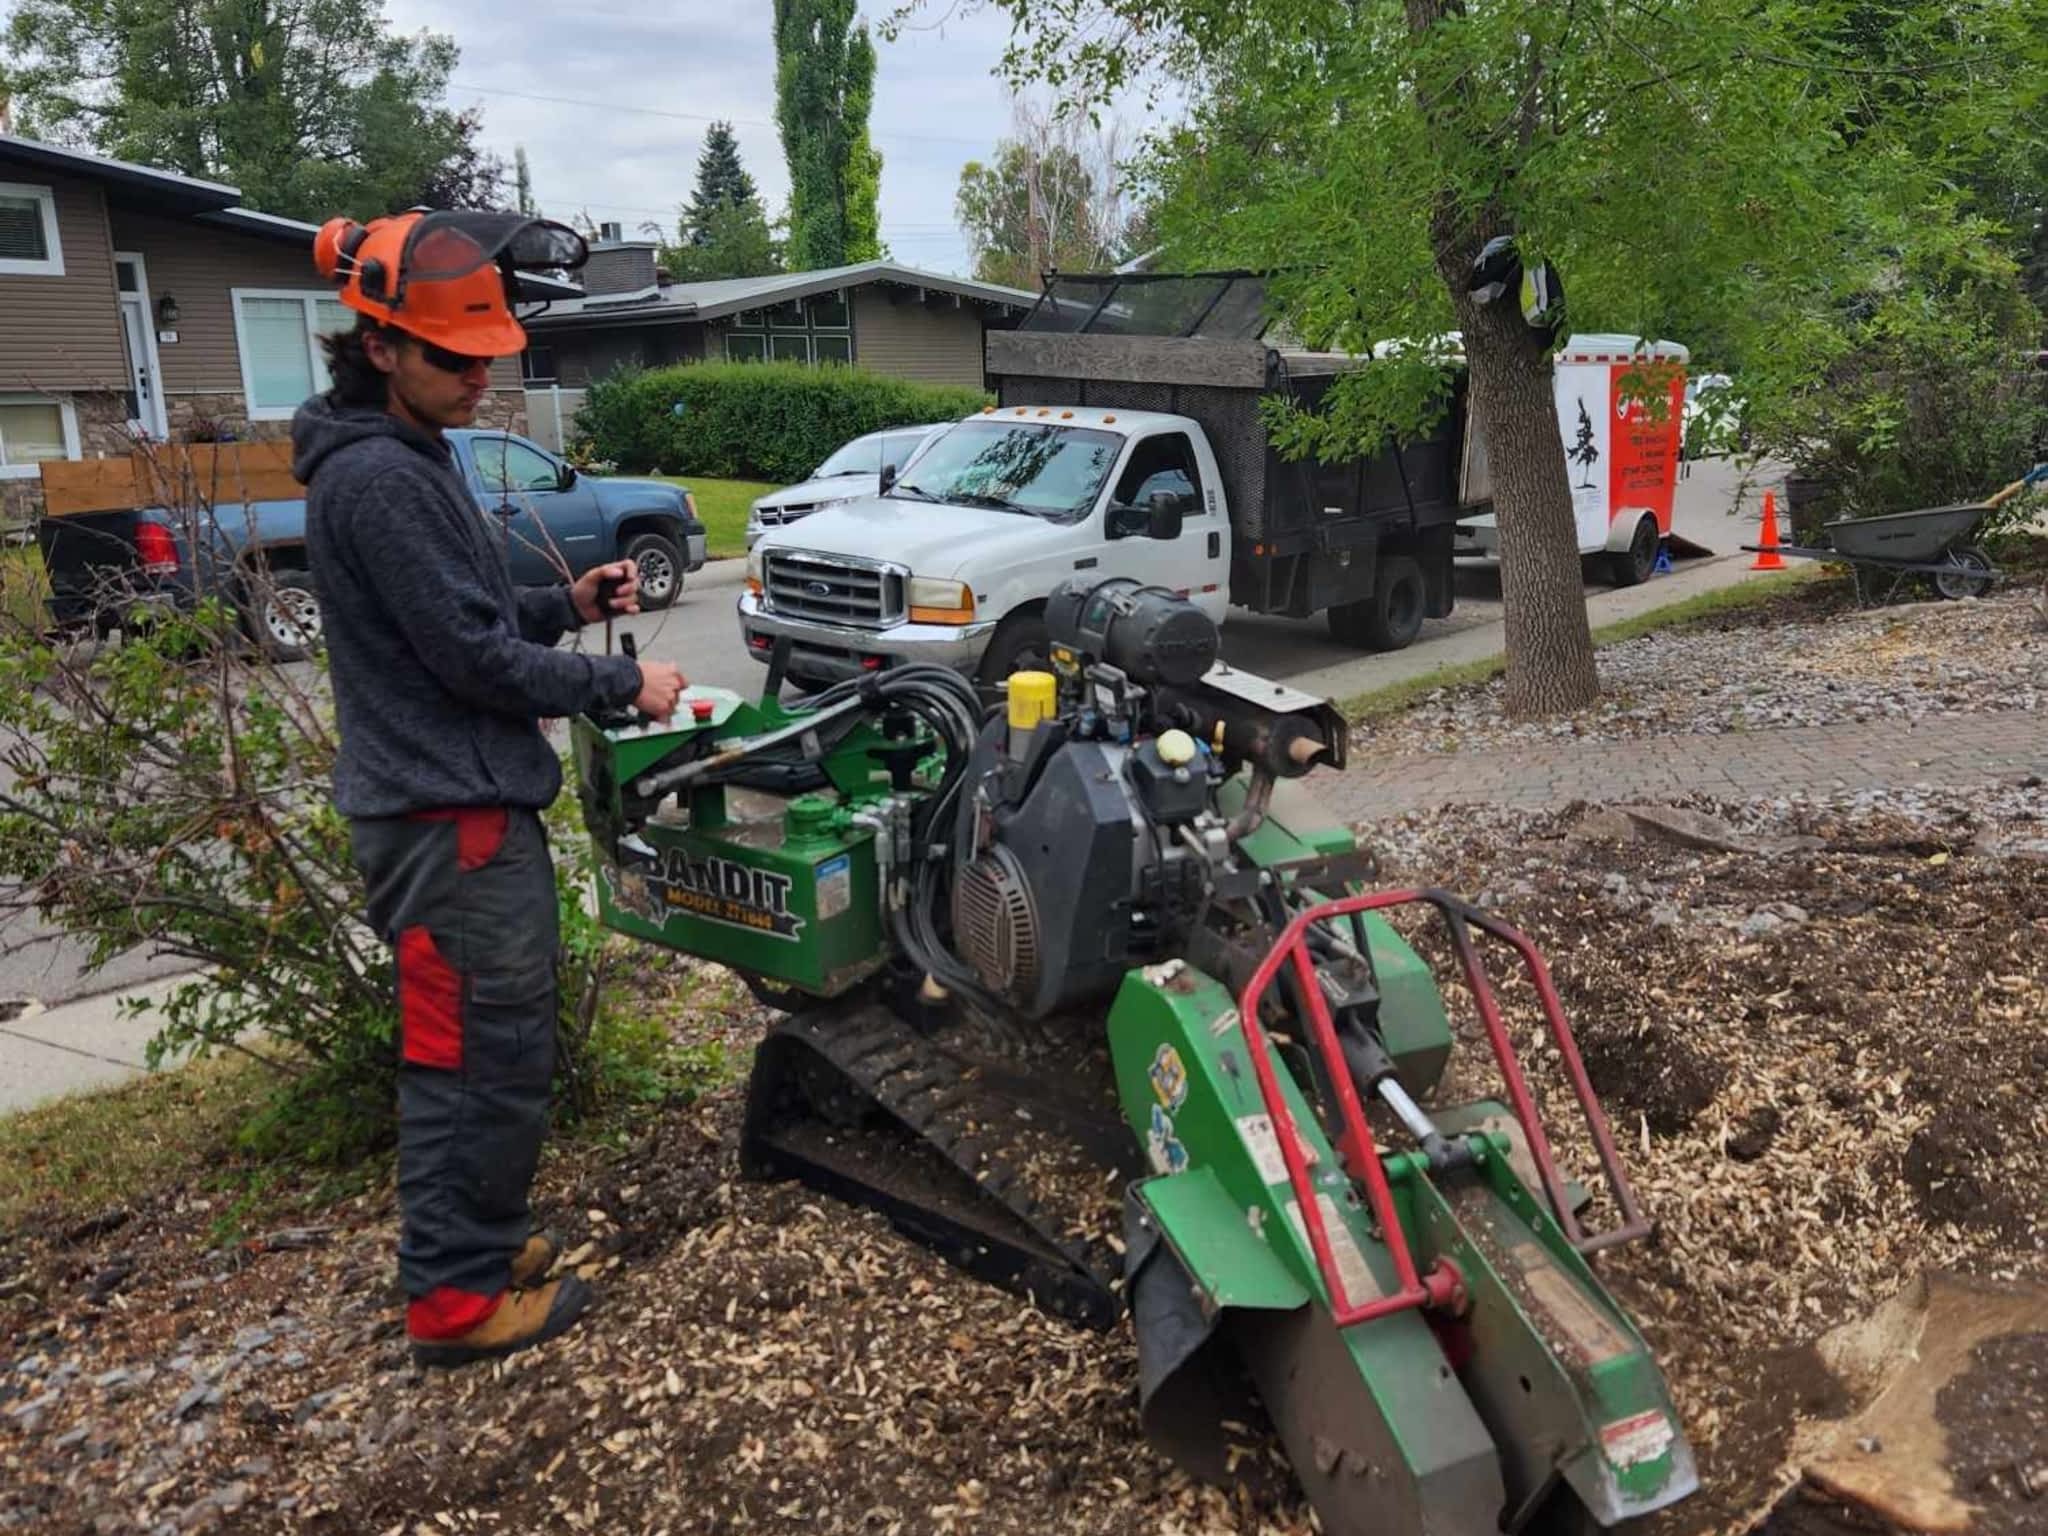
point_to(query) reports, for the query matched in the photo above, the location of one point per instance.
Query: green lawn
(25, 591)
(723, 506)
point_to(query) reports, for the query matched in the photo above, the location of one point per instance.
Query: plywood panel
(185, 475)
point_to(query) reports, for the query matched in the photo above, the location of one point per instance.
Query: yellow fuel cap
(1034, 696)
(1176, 749)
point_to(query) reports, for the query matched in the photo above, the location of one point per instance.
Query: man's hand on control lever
(588, 595)
(660, 686)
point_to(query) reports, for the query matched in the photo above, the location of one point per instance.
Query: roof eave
(149, 187)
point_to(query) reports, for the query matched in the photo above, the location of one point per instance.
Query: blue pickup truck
(558, 523)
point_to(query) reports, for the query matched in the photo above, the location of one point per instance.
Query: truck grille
(832, 590)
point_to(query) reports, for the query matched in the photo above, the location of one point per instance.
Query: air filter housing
(994, 924)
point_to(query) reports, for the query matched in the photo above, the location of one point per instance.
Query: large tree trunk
(1549, 642)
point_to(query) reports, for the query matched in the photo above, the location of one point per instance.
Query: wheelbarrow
(1934, 542)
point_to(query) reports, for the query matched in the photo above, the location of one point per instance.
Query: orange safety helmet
(444, 277)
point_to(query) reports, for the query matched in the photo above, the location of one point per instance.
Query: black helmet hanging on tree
(1498, 270)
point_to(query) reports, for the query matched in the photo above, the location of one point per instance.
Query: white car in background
(851, 474)
(1713, 416)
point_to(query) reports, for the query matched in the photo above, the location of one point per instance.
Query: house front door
(146, 412)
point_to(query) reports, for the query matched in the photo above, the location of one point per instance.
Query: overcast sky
(937, 105)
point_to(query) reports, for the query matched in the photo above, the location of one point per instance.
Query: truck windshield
(862, 456)
(1014, 466)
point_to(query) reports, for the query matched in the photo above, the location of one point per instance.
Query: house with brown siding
(137, 304)
(879, 315)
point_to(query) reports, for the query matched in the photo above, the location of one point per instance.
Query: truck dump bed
(1194, 345)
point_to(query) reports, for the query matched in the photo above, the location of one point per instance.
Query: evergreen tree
(722, 231)
(722, 182)
(824, 87)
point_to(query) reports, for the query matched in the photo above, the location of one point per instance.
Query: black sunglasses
(449, 362)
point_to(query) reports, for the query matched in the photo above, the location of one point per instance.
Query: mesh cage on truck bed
(1193, 345)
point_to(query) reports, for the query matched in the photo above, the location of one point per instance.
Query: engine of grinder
(1093, 831)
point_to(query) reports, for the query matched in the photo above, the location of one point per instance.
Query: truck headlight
(754, 572)
(933, 601)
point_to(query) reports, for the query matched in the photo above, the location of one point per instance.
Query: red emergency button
(701, 708)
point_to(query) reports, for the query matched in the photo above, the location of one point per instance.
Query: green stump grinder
(1082, 993)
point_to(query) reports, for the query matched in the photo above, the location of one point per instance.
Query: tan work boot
(535, 1257)
(522, 1319)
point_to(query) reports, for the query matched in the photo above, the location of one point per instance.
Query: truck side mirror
(888, 478)
(1163, 515)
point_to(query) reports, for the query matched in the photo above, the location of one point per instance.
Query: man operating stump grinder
(443, 672)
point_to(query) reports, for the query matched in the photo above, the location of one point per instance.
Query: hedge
(750, 421)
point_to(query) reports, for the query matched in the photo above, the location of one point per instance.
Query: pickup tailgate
(90, 560)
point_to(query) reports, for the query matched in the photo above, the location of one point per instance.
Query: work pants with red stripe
(467, 899)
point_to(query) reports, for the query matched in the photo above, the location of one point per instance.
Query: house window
(537, 365)
(814, 330)
(34, 429)
(29, 246)
(277, 332)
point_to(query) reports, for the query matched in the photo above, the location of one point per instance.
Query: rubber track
(927, 1097)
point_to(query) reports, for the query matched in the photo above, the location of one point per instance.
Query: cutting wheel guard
(1357, 1147)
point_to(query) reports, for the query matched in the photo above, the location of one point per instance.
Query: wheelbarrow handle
(2034, 476)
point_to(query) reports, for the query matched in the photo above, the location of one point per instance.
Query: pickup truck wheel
(1020, 644)
(661, 568)
(1634, 565)
(1391, 618)
(284, 618)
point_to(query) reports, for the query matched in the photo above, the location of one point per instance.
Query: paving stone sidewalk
(1946, 751)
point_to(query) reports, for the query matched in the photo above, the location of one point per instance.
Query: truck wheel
(283, 616)
(1020, 644)
(661, 568)
(1632, 567)
(1391, 618)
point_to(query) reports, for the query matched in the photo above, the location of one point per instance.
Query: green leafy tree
(1051, 197)
(311, 107)
(735, 240)
(1723, 171)
(174, 795)
(723, 231)
(824, 87)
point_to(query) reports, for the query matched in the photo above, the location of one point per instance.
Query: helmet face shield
(444, 246)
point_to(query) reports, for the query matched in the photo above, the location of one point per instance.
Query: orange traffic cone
(1768, 558)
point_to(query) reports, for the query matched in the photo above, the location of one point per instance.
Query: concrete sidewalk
(1484, 642)
(75, 1047)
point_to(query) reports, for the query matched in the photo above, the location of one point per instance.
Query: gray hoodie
(442, 669)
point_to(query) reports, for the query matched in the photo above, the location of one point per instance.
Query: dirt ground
(1821, 1047)
(1813, 1113)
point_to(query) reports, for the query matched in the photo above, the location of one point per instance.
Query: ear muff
(371, 280)
(338, 237)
